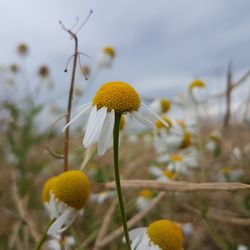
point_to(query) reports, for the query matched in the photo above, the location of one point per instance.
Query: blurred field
(218, 219)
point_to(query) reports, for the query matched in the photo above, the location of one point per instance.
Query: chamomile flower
(107, 56)
(160, 235)
(168, 140)
(162, 175)
(160, 105)
(198, 92)
(144, 197)
(228, 174)
(64, 196)
(112, 98)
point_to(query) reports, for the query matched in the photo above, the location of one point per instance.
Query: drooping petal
(62, 222)
(136, 232)
(94, 126)
(154, 115)
(85, 109)
(106, 133)
(143, 120)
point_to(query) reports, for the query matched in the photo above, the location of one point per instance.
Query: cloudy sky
(161, 45)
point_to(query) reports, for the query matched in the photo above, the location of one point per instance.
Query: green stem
(44, 236)
(117, 176)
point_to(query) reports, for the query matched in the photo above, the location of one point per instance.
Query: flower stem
(71, 91)
(117, 176)
(44, 236)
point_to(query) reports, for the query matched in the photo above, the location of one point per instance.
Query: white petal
(54, 245)
(65, 219)
(94, 126)
(85, 109)
(145, 243)
(136, 232)
(154, 115)
(106, 133)
(155, 171)
(143, 120)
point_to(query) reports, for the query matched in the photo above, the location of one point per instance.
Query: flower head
(22, 49)
(160, 105)
(196, 84)
(107, 56)
(113, 98)
(64, 196)
(109, 51)
(118, 96)
(72, 188)
(161, 234)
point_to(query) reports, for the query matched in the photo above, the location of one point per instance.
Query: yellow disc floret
(119, 96)
(196, 84)
(110, 51)
(165, 105)
(159, 124)
(186, 140)
(73, 188)
(47, 187)
(169, 174)
(175, 158)
(165, 234)
(146, 193)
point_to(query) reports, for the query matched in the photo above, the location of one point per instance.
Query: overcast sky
(161, 45)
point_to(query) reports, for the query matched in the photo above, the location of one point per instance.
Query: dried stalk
(105, 224)
(178, 186)
(218, 215)
(138, 217)
(23, 211)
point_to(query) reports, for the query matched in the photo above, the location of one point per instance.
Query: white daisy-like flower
(112, 98)
(144, 197)
(228, 174)
(162, 175)
(64, 197)
(61, 243)
(106, 57)
(103, 196)
(160, 105)
(160, 235)
(172, 138)
(198, 92)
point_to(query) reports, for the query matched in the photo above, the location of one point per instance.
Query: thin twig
(70, 98)
(178, 186)
(219, 215)
(105, 224)
(23, 211)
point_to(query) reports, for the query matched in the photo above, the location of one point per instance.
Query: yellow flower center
(165, 105)
(47, 187)
(175, 158)
(73, 188)
(159, 124)
(146, 193)
(165, 234)
(186, 141)
(169, 174)
(119, 96)
(110, 51)
(196, 84)
(226, 170)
